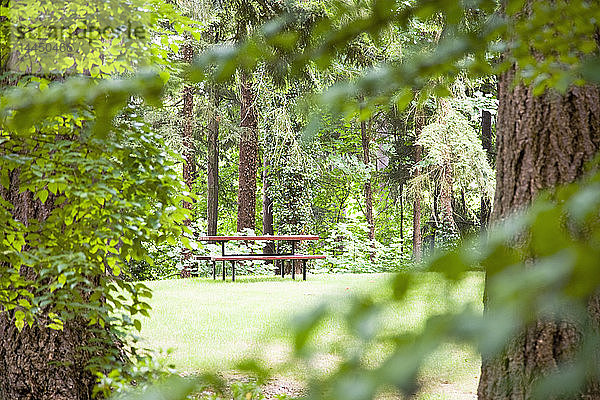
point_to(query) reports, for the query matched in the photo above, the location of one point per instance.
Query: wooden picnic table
(293, 239)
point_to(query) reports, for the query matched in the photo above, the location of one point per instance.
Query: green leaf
(19, 320)
(53, 187)
(43, 195)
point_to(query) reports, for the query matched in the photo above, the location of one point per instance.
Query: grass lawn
(211, 324)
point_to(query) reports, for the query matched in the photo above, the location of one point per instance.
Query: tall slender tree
(486, 142)
(212, 170)
(248, 165)
(446, 180)
(267, 200)
(418, 154)
(187, 140)
(365, 136)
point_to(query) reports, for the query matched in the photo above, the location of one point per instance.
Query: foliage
(107, 190)
(450, 135)
(348, 251)
(110, 188)
(567, 36)
(164, 264)
(558, 239)
(102, 39)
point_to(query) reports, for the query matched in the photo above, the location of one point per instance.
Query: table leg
(214, 270)
(293, 269)
(233, 271)
(303, 270)
(277, 262)
(282, 268)
(223, 270)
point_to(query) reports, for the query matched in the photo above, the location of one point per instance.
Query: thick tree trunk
(365, 136)
(212, 196)
(248, 165)
(541, 142)
(40, 363)
(486, 142)
(188, 151)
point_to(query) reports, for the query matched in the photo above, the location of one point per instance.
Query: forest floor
(209, 325)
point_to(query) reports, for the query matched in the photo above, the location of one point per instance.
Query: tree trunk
(267, 214)
(212, 197)
(541, 142)
(40, 363)
(188, 151)
(248, 165)
(417, 239)
(446, 211)
(486, 142)
(401, 190)
(366, 142)
(446, 186)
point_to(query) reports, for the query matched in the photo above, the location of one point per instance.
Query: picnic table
(291, 255)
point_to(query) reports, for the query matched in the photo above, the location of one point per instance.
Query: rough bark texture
(212, 196)
(248, 165)
(417, 239)
(366, 143)
(188, 152)
(541, 142)
(486, 142)
(40, 363)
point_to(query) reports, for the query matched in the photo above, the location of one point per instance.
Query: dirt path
(444, 390)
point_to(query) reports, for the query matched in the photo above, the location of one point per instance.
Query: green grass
(211, 324)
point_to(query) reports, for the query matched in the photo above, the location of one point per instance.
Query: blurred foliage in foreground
(560, 238)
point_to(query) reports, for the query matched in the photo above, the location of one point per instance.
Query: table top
(263, 237)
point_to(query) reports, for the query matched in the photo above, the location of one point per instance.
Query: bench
(292, 239)
(265, 257)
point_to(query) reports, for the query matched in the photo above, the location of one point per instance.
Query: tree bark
(541, 142)
(366, 142)
(418, 150)
(486, 142)
(39, 363)
(248, 165)
(212, 196)
(188, 150)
